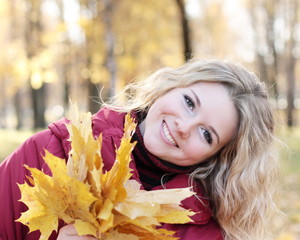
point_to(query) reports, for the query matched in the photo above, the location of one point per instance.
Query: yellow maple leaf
(54, 197)
(107, 205)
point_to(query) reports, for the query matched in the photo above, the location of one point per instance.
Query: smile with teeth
(168, 135)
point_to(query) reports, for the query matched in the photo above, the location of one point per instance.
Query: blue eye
(189, 102)
(207, 135)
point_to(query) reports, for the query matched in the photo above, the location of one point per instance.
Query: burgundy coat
(55, 140)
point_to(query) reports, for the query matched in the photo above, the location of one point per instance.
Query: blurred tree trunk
(13, 36)
(271, 7)
(100, 52)
(267, 58)
(66, 73)
(65, 63)
(93, 88)
(33, 46)
(3, 103)
(110, 61)
(261, 64)
(292, 20)
(290, 76)
(18, 109)
(186, 35)
(90, 6)
(39, 104)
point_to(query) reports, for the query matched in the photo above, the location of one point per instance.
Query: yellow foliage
(107, 205)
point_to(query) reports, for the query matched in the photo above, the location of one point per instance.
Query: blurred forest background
(56, 50)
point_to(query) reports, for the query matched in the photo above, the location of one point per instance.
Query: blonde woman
(207, 124)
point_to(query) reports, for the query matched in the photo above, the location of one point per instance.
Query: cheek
(195, 152)
(199, 152)
(150, 141)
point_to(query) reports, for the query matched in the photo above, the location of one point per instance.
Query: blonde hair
(240, 179)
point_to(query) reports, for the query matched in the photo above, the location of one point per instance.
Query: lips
(168, 135)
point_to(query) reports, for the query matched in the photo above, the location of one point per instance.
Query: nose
(183, 127)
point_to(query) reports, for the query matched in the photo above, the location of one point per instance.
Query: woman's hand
(69, 232)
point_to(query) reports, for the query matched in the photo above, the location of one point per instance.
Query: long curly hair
(240, 180)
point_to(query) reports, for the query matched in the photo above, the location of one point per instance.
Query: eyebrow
(215, 132)
(210, 127)
(196, 97)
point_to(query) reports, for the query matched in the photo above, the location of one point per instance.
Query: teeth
(168, 135)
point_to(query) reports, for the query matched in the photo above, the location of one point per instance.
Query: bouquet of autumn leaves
(107, 205)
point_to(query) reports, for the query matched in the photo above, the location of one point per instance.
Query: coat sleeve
(12, 171)
(208, 231)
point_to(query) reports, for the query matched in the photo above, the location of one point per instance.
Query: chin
(180, 164)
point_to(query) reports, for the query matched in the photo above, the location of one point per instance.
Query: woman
(207, 124)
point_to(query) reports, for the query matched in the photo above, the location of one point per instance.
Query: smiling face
(187, 125)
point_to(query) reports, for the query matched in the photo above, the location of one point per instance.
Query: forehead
(210, 88)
